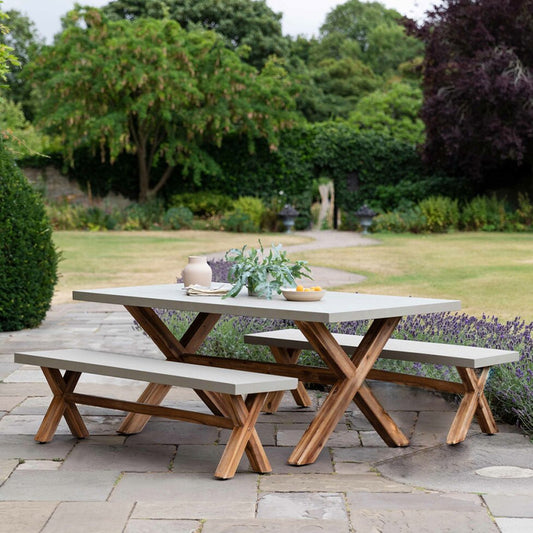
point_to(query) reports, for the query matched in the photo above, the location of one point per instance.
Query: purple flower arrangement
(509, 387)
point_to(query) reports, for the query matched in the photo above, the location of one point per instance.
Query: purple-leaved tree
(478, 90)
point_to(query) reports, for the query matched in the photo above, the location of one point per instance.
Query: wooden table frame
(349, 385)
(346, 374)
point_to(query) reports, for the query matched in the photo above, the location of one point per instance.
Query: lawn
(490, 273)
(103, 259)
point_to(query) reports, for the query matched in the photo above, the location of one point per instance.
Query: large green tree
(248, 26)
(393, 111)
(383, 44)
(151, 88)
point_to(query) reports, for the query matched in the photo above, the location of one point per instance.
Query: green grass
(490, 273)
(105, 259)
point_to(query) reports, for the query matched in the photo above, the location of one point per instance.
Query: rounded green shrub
(28, 258)
(178, 217)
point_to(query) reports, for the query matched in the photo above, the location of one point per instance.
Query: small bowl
(302, 296)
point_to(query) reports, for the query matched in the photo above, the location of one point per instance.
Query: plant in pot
(263, 274)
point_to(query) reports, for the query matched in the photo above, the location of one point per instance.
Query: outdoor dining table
(311, 317)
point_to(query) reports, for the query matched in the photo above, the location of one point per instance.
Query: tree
(6, 57)
(330, 76)
(343, 82)
(392, 111)
(478, 89)
(151, 88)
(25, 44)
(383, 44)
(20, 136)
(248, 26)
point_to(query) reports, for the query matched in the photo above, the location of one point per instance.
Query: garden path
(327, 239)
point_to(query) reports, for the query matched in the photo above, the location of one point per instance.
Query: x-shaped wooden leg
(243, 436)
(172, 348)
(286, 355)
(351, 374)
(473, 402)
(61, 385)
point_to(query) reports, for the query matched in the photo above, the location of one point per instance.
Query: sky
(300, 17)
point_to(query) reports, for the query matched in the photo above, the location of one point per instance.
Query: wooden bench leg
(473, 403)
(284, 355)
(60, 385)
(244, 416)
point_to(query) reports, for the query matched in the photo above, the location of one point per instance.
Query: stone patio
(162, 479)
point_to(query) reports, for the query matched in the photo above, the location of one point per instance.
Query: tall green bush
(484, 213)
(28, 258)
(441, 213)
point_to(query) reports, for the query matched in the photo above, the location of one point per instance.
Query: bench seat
(226, 389)
(472, 363)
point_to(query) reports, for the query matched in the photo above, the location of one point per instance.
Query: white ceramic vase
(197, 272)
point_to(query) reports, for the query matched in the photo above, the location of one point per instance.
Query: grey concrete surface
(161, 480)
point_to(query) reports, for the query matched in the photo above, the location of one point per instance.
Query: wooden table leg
(351, 375)
(286, 355)
(172, 348)
(473, 402)
(59, 407)
(379, 418)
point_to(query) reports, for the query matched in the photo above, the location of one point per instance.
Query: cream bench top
(223, 380)
(406, 350)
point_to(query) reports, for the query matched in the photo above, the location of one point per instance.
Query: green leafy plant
(28, 257)
(263, 274)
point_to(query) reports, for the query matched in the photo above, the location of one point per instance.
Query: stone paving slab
(163, 526)
(93, 517)
(515, 506)
(6, 467)
(419, 500)
(330, 483)
(186, 488)
(88, 455)
(201, 508)
(29, 424)
(58, 486)
(515, 525)
(25, 517)
(24, 447)
(275, 526)
(302, 505)
(422, 521)
(159, 431)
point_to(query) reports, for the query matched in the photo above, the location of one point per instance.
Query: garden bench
(472, 363)
(237, 396)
